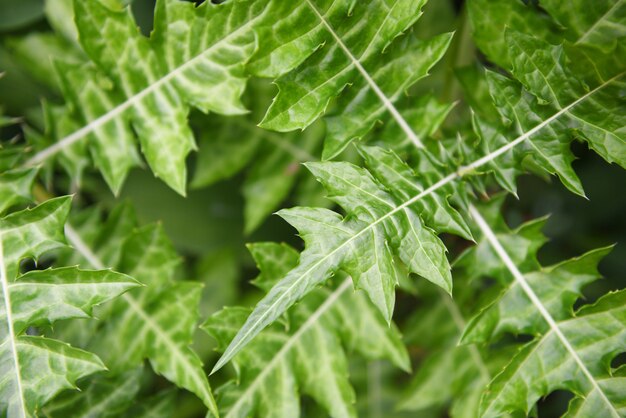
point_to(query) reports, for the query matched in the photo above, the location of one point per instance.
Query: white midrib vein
(521, 280)
(321, 310)
(597, 22)
(78, 243)
(357, 64)
(128, 103)
(10, 330)
(462, 171)
(235, 345)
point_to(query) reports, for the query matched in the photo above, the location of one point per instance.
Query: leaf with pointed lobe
(369, 243)
(15, 187)
(103, 396)
(557, 286)
(46, 296)
(359, 108)
(305, 92)
(600, 24)
(150, 84)
(570, 349)
(596, 334)
(544, 71)
(32, 232)
(35, 368)
(158, 319)
(490, 18)
(271, 370)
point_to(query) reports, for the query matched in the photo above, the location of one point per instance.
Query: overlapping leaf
(600, 25)
(380, 230)
(101, 397)
(587, 100)
(570, 350)
(155, 322)
(307, 358)
(358, 109)
(34, 368)
(133, 83)
(458, 374)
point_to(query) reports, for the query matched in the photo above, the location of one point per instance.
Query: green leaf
(490, 18)
(271, 370)
(15, 187)
(32, 232)
(601, 24)
(596, 333)
(102, 397)
(359, 108)
(160, 318)
(367, 244)
(150, 83)
(46, 296)
(543, 71)
(275, 171)
(225, 149)
(305, 92)
(45, 368)
(570, 350)
(557, 286)
(35, 368)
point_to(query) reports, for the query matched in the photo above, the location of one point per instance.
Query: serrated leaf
(271, 369)
(571, 350)
(543, 71)
(359, 108)
(102, 397)
(34, 368)
(305, 92)
(596, 333)
(15, 187)
(600, 24)
(46, 296)
(490, 18)
(147, 85)
(557, 286)
(159, 318)
(364, 244)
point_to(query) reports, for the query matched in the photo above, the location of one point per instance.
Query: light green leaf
(46, 296)
(34, 368)
(46, 367)
(596, 333)
(490, 18)
(571, 350)
(15, 187)
(359, 108)
(557, 286)
(364, 244)
(305, 92)
(309, 358)
(158, 319)
(102, 397)
(543, 71)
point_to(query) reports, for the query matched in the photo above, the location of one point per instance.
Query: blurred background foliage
(211, 233)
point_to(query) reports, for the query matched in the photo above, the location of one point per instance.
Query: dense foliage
(411, 146)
